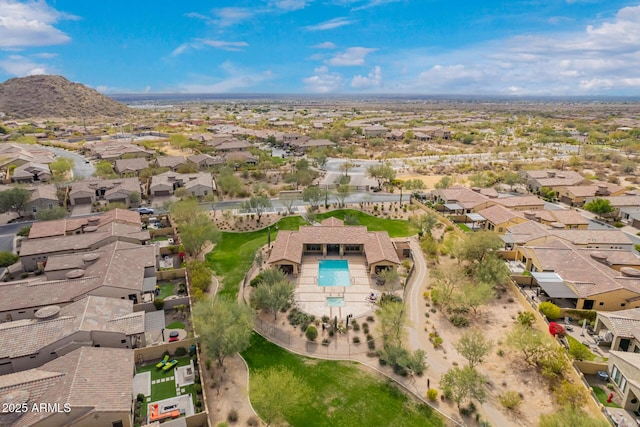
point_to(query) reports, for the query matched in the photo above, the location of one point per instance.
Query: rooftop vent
(90, 229)
(75, 274)
(551, 174)
(599, 256)
(630, 272)
(557, 225)
(48, 312)
(90, 257)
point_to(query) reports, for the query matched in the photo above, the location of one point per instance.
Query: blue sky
(476, 47)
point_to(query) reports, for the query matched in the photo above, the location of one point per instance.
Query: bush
(311, 333)
(253, 421)
(197, 388)
(356, 327)
(140, 397)
(356, 340)
(432, 394)
(437, 342)
(232, 416)
(158, 303)
(459, 321)
(550, 310)
(24, 231)
(510, 399)
(371, 345)
(181, 351)
(370, 319)
(325, 341)
(8, 258)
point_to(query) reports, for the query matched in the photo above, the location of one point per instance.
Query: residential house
(111, 190)
(30, 173)
(578, 194)
(395, 135)
(558, 218)
(463, 200)
(624, 373)
(433, 132)
(116, 149)
(90, 386)
(232, 146)
(333, 238)
(303, 145)
(19, 154)
(374, 131)
(205, 161)
(73, 235)
(130, 166)
(43, 196)
(625, 206)
(195, 184)
(498, 218)
(555, 180)
(55, 331)
(241, 157)
(584, 278)
(171, 162)
(520, 203)
(620, 328)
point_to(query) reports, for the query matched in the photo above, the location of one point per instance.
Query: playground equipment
(155, 415)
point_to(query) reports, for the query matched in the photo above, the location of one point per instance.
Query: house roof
(186, 180)
(170, 161)
(205, 158)
(29, 170)
(43, 192)
(498, 214)
(92, 313)
(519, 201)
(622, 323)
(89, 379)
(566, 217)
(136, 164)
(463, 196)
(131, 185)
(289, 245)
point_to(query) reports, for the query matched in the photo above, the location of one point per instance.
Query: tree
(276, 393)
(532, 343)
(272, 298)
(475, 247)
(312, 195)
(199, 277)
(414, 184)
(446, 285)
(56, 212)
(134, 198)
(511, 178)
(392, 320)
(381, 172)
(346, 167)
(425, 222)
(183, 210)
(598, 206)
(391, 279)
(257, 204)
(224, 326)
(571, 417)
(445, 182)
(319, 156)
(228, 183)
(104, 169)
(465, 383)
(492, 270)
(341, 194)
(197, 232)
(474, 347)
(60, 166)
(8, 258)
(14, 199)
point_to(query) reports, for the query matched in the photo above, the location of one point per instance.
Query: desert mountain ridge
(48, 96)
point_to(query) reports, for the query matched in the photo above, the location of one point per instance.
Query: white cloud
(330, 24)
(30, 24)
(375, 3)
(20, 66)
(102, 88)
(350, 57)
(226, 16)
(234, 79)
(600, 59)
(45, 55)
(325, 45)
(291, 4)
(198, 44)
(372, 80)
(324, 81)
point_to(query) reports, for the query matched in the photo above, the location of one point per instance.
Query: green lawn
(395, 227)
(602, 396)
(575, 343)
(344, 394)
(463, 227)
(175, 325)
(235, 252)
(166, 290)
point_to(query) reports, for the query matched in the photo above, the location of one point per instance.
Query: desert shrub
(355, 327)
(158, 303)
(371, 345)
(459, 321)
(370, 319)
(510, 399)
(526, 318)
(181, 351)
(232, 416)
(437, 342)
(325, 341)
(253, 421)
(311, 333)
(356, 340)
(432, 394)
(550, 310)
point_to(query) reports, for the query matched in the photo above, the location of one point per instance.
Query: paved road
(8, 232)
(80, 166)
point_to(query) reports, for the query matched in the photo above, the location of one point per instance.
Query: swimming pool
(333, 272)
(335, 301)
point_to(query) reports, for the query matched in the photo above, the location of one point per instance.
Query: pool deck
(312, 298)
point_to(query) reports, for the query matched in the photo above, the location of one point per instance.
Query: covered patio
(555, 288)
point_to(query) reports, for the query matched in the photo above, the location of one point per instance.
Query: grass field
(175, 325)
(235, 252)
(166, 290)
(344, 394)
(602, 396)
(395, 227)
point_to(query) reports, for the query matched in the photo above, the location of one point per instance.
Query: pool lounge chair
(163, 361)
(170, 365)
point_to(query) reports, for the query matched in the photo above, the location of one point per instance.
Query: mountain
(55, 97)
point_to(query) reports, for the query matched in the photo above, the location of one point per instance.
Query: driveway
(80, 210)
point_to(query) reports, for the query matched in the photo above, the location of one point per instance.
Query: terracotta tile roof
(170, 161)
(464, 196)
(519, 201)
(89, 379)
(377, 245)
(135, 164)
(498, 214)
(623, 322)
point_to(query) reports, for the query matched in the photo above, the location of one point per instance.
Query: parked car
(145, 211)
(173, 339)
